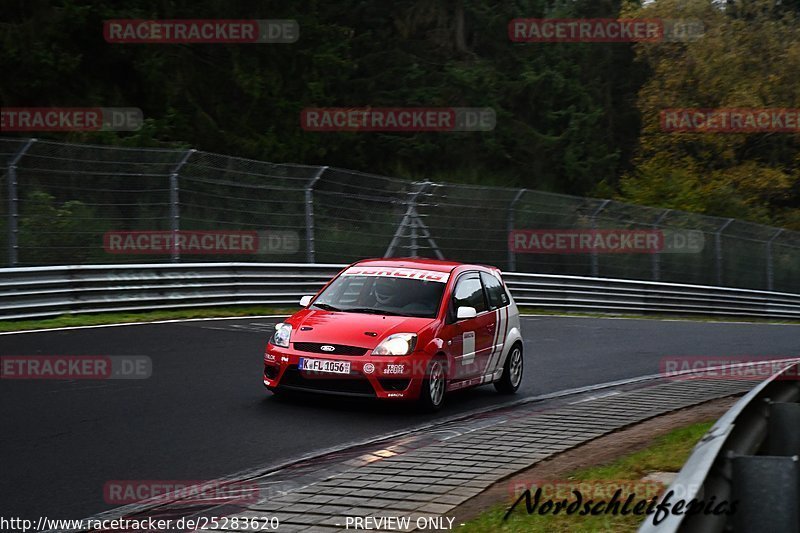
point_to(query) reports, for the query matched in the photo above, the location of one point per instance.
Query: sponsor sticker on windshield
(396, 272)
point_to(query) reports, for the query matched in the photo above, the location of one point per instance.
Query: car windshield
(385, 295)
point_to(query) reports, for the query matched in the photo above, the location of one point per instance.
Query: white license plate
(325, 365)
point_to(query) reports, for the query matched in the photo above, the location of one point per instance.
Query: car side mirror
(466, 312)
(305, 300)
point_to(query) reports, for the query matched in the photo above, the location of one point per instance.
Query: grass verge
(233, 311)
(668, 453)
(148, 316)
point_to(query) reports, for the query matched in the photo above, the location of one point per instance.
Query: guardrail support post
(174, 206)
(309, 204)
(770, 269)
(768, 492)
(657, 254)
(512, 257)
(718, 242)
(595, 262)
(13, 206)
(783, 434)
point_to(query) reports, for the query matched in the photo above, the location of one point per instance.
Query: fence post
(770, 270)
(718, 242)
(174, 207)
(13, 206)
(409, 219)
(309, 204)
(657, 254)
(595, 263)
(512, 257)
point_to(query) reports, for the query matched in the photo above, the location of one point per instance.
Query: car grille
(338, 349)
(354, 383)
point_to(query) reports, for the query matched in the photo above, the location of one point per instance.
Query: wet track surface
(204, 413)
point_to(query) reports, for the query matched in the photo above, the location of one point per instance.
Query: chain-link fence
(67, 203)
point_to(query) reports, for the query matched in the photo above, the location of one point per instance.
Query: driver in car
(386, 292)
(391, 293)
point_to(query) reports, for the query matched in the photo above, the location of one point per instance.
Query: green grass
(148, 316)
(211, 312)
(668, 453)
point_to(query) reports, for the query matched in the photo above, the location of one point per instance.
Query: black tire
(512, 371)
(434, 386)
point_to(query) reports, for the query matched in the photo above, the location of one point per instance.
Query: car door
(471, 338)
(498, 301)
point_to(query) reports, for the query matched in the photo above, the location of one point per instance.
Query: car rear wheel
(431, 396)
(512, 371)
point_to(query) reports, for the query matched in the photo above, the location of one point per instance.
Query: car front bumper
(383, 377)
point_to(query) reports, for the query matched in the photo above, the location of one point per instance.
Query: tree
(749, 57)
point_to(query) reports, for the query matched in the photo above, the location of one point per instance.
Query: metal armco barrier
(602, 295)
(751, 457)
(51, 291)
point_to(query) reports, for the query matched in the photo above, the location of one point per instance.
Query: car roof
(418, 262)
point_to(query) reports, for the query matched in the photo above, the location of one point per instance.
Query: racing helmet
(385, 290)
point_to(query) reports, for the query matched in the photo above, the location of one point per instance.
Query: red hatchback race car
(400, 329)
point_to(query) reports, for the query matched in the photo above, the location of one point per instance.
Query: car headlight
(396, 344)
(283, 333)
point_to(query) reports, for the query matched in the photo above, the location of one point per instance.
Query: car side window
(495, 291)
(469, 293)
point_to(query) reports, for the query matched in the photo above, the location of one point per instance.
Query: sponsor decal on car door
(468, 348)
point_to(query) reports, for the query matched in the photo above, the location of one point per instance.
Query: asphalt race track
(204, 413)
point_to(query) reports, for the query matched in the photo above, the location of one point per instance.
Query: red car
(400, 329)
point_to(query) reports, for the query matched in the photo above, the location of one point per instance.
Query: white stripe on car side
(487, 377)
(497, 345)
(501, 341)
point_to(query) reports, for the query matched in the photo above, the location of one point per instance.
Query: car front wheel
(512, 371)
(431, 396)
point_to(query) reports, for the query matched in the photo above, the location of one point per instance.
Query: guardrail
(38, 292)
(574, 293)
(750, 457)
(51, 291)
